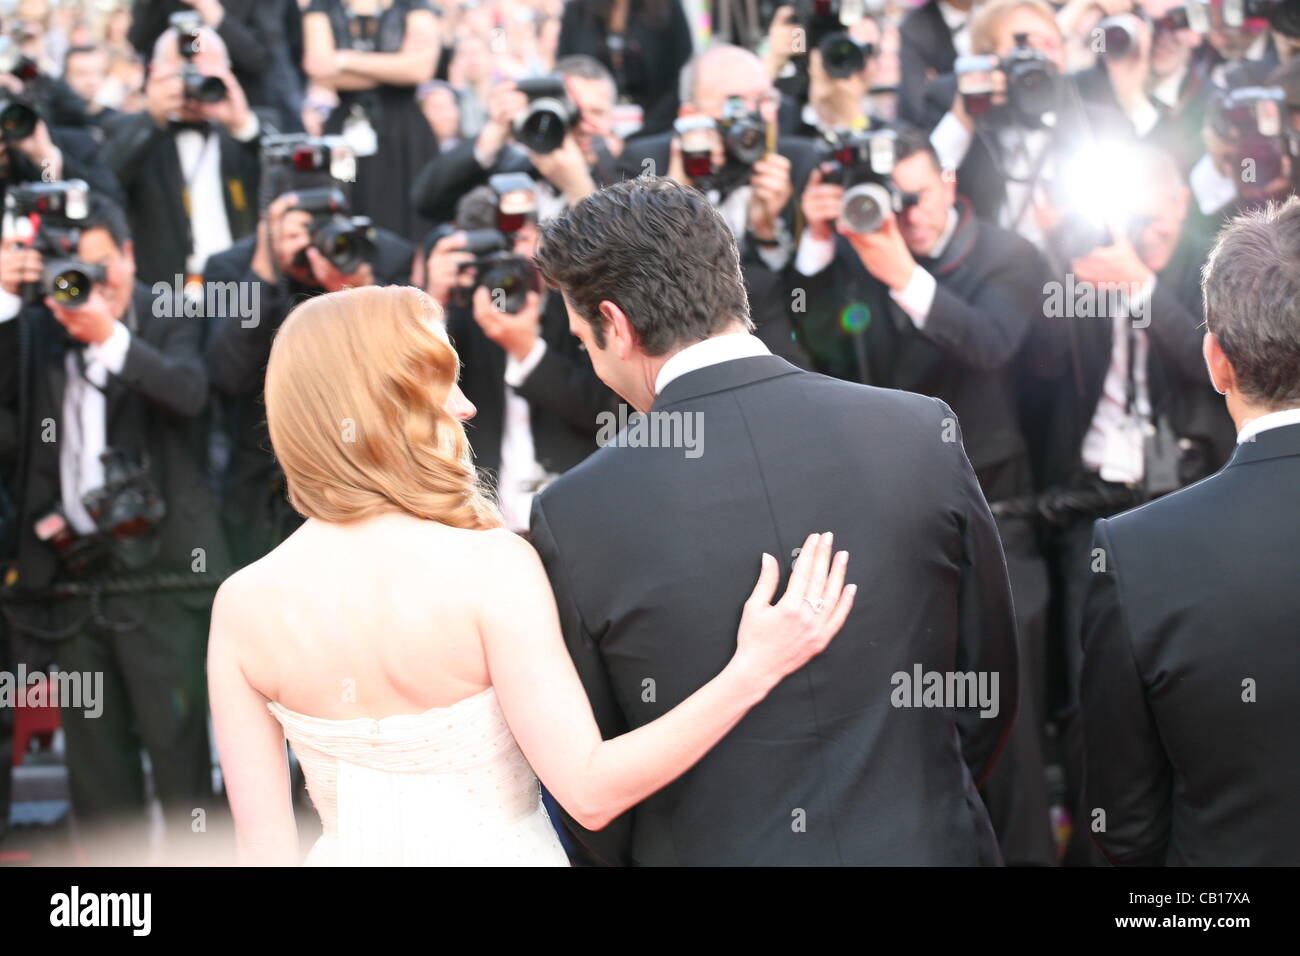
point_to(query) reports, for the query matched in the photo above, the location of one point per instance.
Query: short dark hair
(910, 141)
(1251, 288)
(586, 68)
(477, 209)
(103, 213)
(656, 249)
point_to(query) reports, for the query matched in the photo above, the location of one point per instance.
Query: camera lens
(17, 120)
(866, 207)
(543, 127)
(204, 89)
(69, 282)
(841, 56)
(345, 243)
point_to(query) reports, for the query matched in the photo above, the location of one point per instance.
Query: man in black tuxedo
(756, 201)
(928, 39)
(121, 373)
(1190, 664)
(585, 161)
(189, 169)
(538, 399)
(946, 303)
(743, 453)
(279, 267)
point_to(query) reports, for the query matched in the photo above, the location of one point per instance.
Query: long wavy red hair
(355, 393)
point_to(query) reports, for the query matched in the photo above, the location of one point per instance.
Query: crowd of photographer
(924, 197)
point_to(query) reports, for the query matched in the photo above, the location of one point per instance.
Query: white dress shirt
(520, 474)
(200, 159)
(957, 22)
(1253, 426)
(1115, 443)
(710, 351)
(84, 415)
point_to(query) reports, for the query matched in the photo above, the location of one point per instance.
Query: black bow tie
(197, 126)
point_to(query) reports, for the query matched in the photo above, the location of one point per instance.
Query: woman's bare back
(367, 619)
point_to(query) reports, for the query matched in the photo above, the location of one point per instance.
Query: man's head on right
(646, 267)
(1251, 287)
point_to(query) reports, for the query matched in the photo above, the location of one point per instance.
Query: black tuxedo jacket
(1063, 366)
(769, 292)
(825, 770)
(564, 395)
(1190, 667)
(155, 406)
(988, 291)
(144, 159)
(925, 51)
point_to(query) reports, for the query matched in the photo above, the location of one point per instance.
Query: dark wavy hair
(656, 249)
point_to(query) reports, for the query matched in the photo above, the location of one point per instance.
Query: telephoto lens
(69, 282)
(866, 207)
(203, 89)
(550, 115)
(842, 56)
(1118, 36)
(17, 118)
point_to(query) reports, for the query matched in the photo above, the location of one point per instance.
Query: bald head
(720, 72)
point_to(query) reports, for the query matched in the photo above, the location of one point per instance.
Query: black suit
(988, 288)
(1190, 669)
(925, 51)
(825, 770)
(143, 156)
(254, 508)
(154, 691)
(770, 296)
(564, 395)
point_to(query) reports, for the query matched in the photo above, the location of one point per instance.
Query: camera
(826, 22)
(490, 216)
(204, 89)
(18, 117)
(308, 160)
(1031, 83)
(126, 509)
(862, 162)
(1256, 120)
(744, 133)
(549, 117)
(55, 211)
(346, 241)
(1282, 15)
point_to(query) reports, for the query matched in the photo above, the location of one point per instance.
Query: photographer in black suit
(1190, 664)
(538, 398)
(113, 371)
(931, 37)
(841, 764)
(188, 166)
(581, 161)
(728, 102)
(279, 265)
(936, 302)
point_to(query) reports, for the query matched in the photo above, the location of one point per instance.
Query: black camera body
(346, 241)
(1256, 120)
(1032, 87)
(826, 23)
(18, 117)
(507, 276)
(550, 115)
(744, 134)
(862, 162)
(57, 209)
(127, 510)
(198, 87)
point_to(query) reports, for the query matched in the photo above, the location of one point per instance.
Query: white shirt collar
(953, 17)
(945, 237)
(710, 351)
(1288, 416)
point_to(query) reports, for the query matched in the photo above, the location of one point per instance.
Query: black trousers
(145, 659)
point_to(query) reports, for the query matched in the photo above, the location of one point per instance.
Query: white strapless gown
(448, 787)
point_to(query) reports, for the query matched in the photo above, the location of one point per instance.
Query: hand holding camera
(770, 190)
(20, 266)
(883, 253)
(515, 332)
(91, 322)
(566, 169)
(449, 266)
(822, 203)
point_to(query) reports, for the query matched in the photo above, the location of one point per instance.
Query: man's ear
(622, 337)
(1222, 376)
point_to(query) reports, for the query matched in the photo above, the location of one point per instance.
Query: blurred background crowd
(1004, 204)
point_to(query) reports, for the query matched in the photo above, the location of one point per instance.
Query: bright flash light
(1103, 185)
